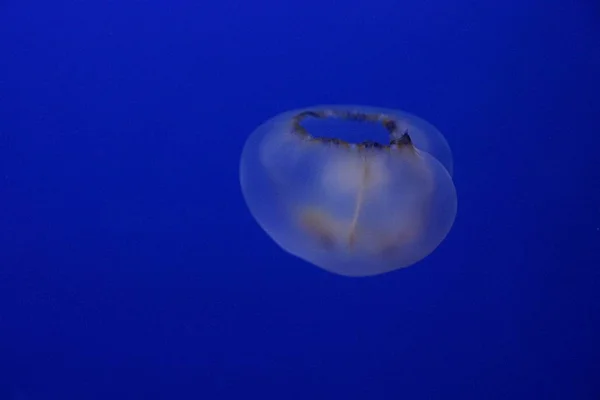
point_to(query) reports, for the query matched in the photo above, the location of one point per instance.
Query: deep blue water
(130, 267)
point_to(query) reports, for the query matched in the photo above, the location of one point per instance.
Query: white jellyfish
(354, 209)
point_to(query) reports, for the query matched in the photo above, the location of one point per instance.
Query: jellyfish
(353, 208)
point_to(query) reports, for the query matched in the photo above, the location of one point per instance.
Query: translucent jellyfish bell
(354, 209)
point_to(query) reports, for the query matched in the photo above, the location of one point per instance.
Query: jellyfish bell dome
(352, 208)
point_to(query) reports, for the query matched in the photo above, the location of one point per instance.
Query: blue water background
(130, 267)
